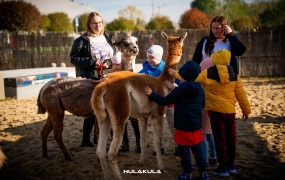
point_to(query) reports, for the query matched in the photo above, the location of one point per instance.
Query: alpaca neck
(128, 63)
(170, 62)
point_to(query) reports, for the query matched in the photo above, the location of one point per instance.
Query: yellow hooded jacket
(223, 88)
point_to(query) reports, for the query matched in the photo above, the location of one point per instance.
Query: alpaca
(2, 158)
(121, 95)
(73, 95)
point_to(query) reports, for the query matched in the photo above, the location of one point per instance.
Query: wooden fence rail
(265, 53)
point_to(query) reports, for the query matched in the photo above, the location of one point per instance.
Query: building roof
(72, 9)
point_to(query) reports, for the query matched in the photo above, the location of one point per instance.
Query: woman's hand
(171, 71)
(147, 90)
(105, 66)
(227, 29)
(98, 64)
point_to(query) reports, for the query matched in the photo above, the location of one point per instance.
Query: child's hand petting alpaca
(171, 71)
(169, 85)
(147, 90)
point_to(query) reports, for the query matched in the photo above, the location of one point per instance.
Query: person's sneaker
(204, 176)
(86, 144)
(124, 148)
(161, 150)
(213, 162)
(232, 170)
(138, 149)
(184, 176)
(176, 152)
(220, 172)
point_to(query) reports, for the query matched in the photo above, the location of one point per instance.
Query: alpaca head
(174, 43)
(128, 46)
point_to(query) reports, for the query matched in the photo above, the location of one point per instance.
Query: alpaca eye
(126, 44)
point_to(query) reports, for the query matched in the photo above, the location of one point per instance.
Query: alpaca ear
(163, 34)
(182, 37)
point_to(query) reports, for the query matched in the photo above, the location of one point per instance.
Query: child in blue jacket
(189, 100)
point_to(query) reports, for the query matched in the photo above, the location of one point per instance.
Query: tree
(159, 22)
(235, 9)
(82, 20)
(121, 24)
(207, 6)
(45, 22)
(131, 13)
(19, 16)
(60, 22)
(240, 23)
(194, 19)
(135, 15)
(273, 14)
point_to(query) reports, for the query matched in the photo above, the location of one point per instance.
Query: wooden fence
(264, 56)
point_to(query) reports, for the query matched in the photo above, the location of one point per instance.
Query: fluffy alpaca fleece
(73, 95)
(120, 96)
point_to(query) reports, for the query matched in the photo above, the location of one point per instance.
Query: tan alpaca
(2, 158)
(73, 95)
(121, 96)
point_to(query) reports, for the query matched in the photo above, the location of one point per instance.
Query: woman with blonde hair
(91, 53)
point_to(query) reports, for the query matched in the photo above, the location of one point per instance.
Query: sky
(109, 8)
(171, 8)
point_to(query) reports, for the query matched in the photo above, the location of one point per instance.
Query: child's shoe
(138, 148)
(232, 170)
(213, 161)
(204, 176)
(184, 176)
(124, 147)
(220, 172)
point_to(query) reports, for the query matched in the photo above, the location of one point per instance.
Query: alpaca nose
(135, 49)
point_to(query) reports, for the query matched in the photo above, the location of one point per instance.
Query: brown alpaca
(73, 95)
(121, 96)
(2, 158)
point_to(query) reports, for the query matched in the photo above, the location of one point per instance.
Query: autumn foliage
(194, 19)
(19, 16)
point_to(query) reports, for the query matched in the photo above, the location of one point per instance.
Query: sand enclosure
(260, 142)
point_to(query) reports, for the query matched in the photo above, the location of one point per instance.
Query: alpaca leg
(157, 129)
(143, 128)
(96, 131)
(57, 130)
(114, 147)
(44, 135)
(104, 129)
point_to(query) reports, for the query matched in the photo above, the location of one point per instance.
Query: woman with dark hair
(221, 37)
(91, 53)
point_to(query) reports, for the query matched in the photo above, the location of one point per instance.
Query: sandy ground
(260, 142)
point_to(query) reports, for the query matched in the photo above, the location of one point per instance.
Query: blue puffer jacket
(189, 100)
(153, 70)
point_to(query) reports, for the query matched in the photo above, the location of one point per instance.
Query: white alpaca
(120, 96)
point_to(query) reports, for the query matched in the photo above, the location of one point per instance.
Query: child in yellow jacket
(223, 88)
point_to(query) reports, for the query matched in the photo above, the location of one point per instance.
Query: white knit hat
(155, 51)
(117, 58)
